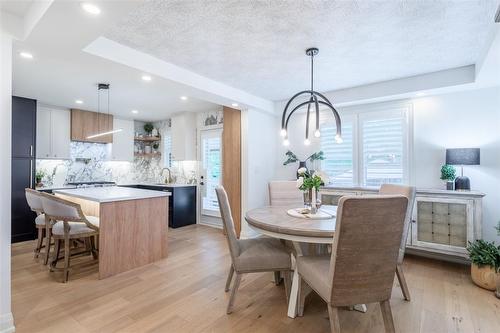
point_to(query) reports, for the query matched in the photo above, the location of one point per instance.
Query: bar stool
(42, 224)
(71, 225)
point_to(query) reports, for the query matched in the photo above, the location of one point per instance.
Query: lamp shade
(463, 156)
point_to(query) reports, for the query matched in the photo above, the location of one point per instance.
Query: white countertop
(157, 184)
(112, 193)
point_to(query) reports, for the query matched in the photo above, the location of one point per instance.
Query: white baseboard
(7, 323)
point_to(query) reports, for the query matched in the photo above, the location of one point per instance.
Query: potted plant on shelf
(155, 147)
(448, 174)
(485, 263)
(148, 128)
(39, 177)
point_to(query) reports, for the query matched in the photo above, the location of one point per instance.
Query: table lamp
(462, 156)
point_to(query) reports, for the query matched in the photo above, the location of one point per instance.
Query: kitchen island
(133, 225)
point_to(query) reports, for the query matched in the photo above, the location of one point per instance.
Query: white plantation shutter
(383, 147)
(212, 161)
(167, 150)
(338, 163)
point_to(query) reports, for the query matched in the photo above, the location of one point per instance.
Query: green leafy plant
(39, 176)
(448, 172)
(290, 158)
(308, 181)
(148, 127)
(319, 156)
(484, 253)
(498, 228)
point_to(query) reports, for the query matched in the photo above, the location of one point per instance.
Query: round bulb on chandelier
(317, 133)
(338, 139)
(286, 142)
(283, 132)
(307, 142)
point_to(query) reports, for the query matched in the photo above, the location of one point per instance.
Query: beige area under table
(133, 225)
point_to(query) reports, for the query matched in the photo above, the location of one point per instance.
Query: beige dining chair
(251, 255)
(44, 228)
(71, 225)
(409, 192)
(362, 265)
(285, 193)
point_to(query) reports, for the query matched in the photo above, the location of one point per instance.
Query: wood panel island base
(133, 225)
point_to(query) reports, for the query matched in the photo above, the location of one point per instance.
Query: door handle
(31, 150)
(31, 174)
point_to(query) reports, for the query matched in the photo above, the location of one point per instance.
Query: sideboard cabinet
(442, 224)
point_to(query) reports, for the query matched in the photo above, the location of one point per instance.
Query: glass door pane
(211, 163)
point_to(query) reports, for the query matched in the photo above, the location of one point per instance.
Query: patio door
(211, 170)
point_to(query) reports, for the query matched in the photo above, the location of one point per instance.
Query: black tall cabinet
(23, 167)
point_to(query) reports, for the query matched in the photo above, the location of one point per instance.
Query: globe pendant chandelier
(315, 100)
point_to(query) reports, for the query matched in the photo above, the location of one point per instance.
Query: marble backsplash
(89, 162)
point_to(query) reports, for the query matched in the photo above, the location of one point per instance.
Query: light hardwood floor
(185, 293)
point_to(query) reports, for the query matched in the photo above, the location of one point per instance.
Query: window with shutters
(375, 148)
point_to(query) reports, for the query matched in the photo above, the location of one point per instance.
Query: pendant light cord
(312, 73)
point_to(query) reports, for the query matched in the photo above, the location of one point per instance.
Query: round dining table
(275, 221)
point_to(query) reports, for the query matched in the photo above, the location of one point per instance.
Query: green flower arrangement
(448, 172)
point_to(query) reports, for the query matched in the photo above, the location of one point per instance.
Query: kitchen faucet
(169, 179)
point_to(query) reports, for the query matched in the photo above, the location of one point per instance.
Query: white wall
(6, 319)
(463, 119)
(259, 146)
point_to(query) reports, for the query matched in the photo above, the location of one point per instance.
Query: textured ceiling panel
(259, 46)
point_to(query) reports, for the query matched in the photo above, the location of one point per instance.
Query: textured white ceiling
(18, 7)
(258, 46)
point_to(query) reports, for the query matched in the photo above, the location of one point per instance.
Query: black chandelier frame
(315, 100)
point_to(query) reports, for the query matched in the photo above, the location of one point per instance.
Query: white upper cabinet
(123, 142)
(53, 133)
(184, 137)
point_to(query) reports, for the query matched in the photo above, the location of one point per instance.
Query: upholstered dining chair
(409, 192)
(251, 255)
(44, 228)
(285, 193)
(69, 223)
(364, 255)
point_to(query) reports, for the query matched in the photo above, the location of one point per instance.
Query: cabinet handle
(31, 174)
(31, 150)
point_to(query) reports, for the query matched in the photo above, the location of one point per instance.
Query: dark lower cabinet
(23, 167)
(181, 203)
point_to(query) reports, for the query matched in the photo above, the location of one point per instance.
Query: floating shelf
(147, 155)
(148, 138)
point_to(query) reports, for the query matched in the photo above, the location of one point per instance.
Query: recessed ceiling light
(26, 55)
(146, 78)
(184, 98)
(135, 111)
(234, 104)
(90, 8)
(79, 101)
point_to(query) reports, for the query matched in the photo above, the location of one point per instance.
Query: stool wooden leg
(55, 257)
(48, 237)
(39, 242)
(66, 260)
(93, 248)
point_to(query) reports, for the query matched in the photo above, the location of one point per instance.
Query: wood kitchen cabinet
(86, 123)
(53, 133)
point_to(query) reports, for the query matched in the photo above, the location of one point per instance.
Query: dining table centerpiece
(309, 182)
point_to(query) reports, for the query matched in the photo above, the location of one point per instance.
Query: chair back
(58, 209)
(227, 220)
(34, 200)
(285, 193)
(365, 249)
(410, 193)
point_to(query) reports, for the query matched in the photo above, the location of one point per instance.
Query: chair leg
(302, 297)
(66, 260)
(229, 278)
(277, 278)
(48, 236)
(236, 285)
(385, 307)
(39, 242)
(288, 284)
(333, 314)
(93, 248)
(55, 257)
(402, 282)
